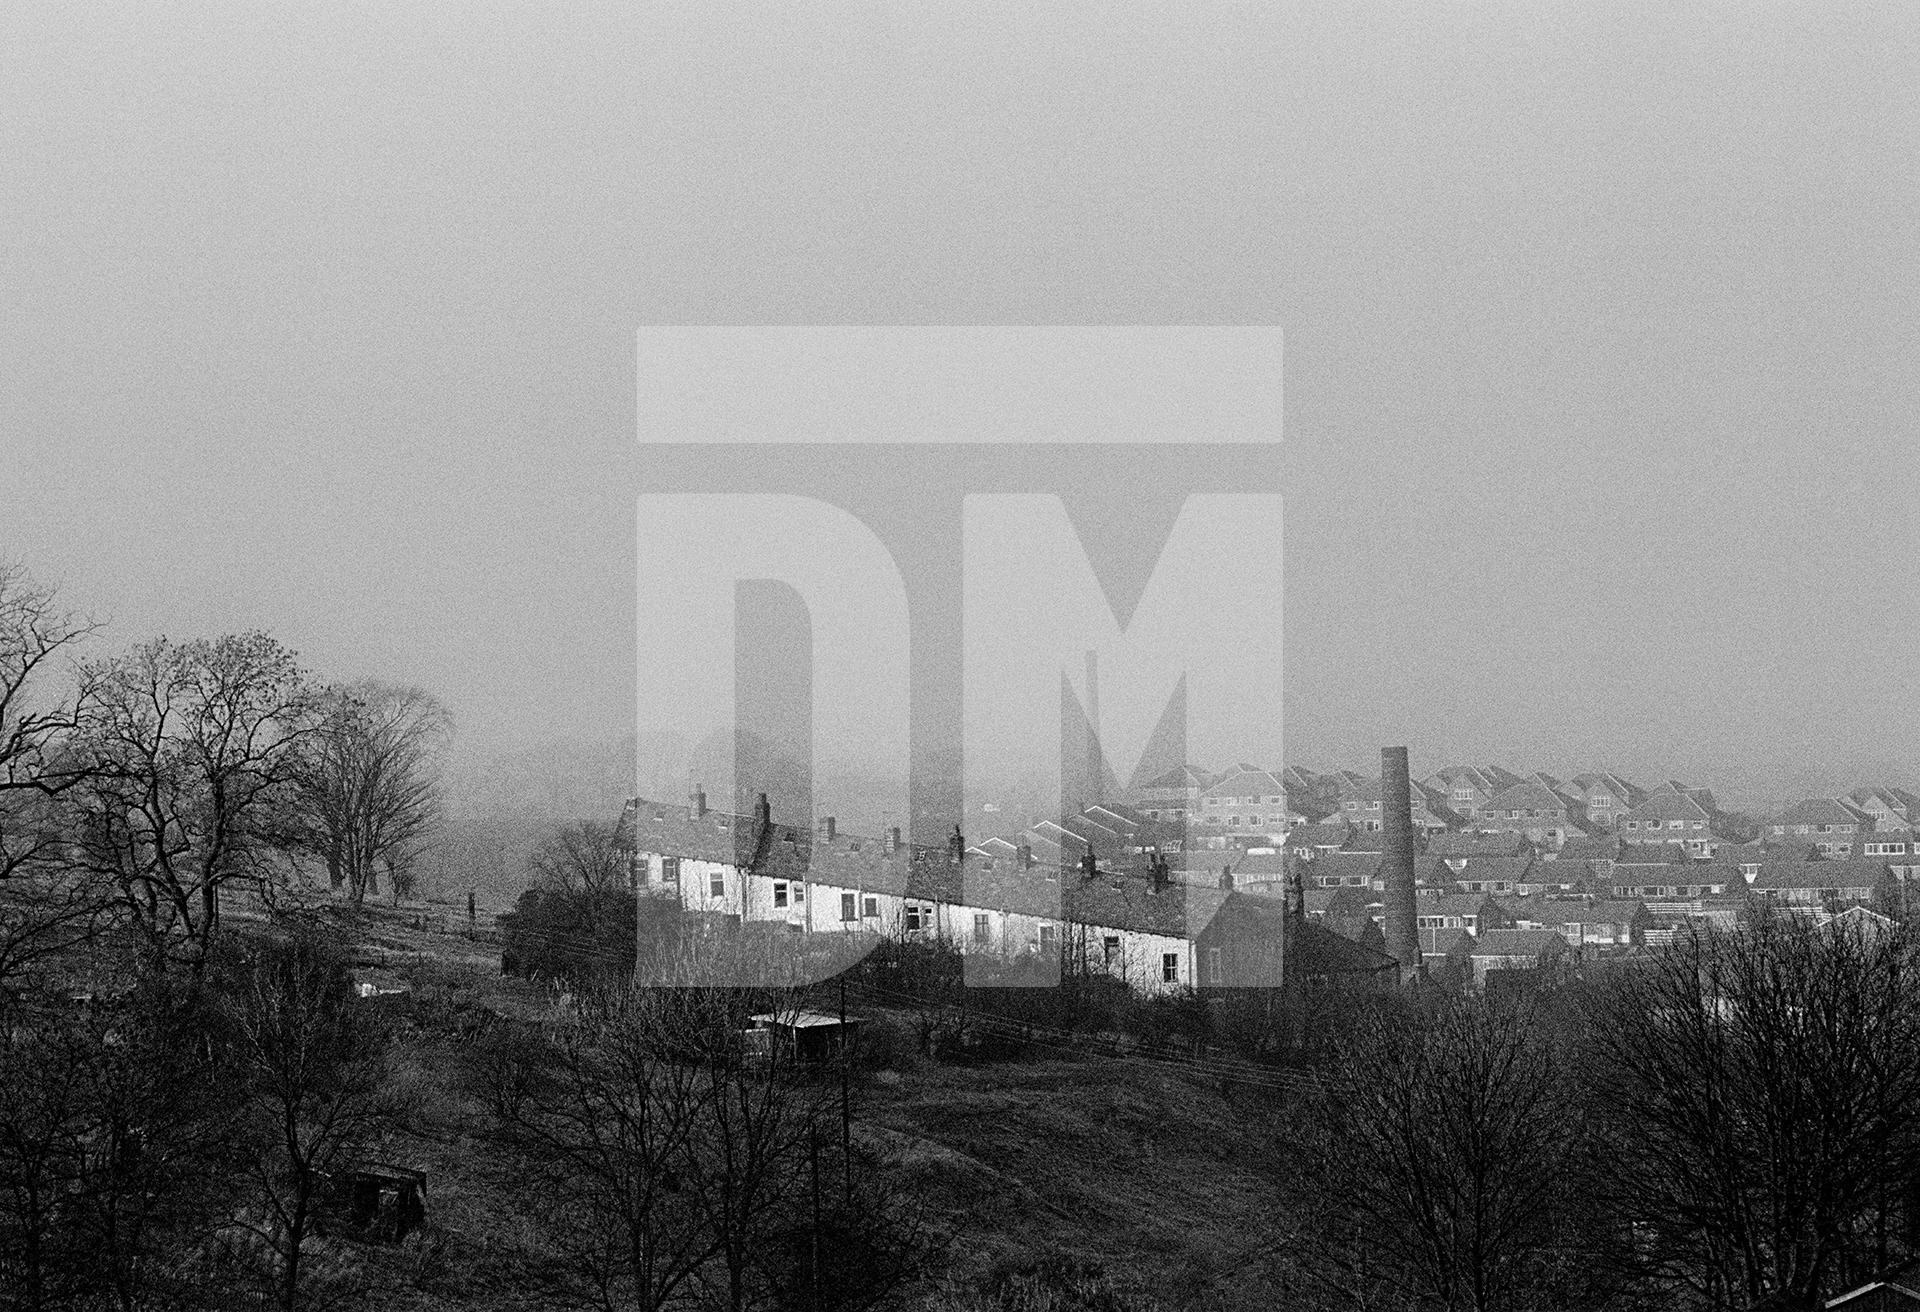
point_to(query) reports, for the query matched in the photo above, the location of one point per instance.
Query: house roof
(1603, 781)
(1559, 871)
(1318, 951)
(1669, 804)
(1180, 778)
(1851, 874)
(1589, 847)
(1529, 796)
(1246, 781)
(1454, 904)
(1571, 911)
(1481, 845)
(1440, 942)
(1122, 898)
(1650, 854)
(1518, 943)
(1822, 811)
(1344, 864)
(1513, 869)
(1469, 776)
(1318, 835)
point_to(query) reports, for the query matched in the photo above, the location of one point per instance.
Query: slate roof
(1572, 911)
(1822, 811)
(1518, 943)
(1778, 876)
(1344, 864)
(1456, 904)
(1588, 847)
(1181, 777)
(1440, 942)
(1318, 835)
(1247, 781)
(1472, 845)
(1122, 899)
(1526, 797)
(1319, 952)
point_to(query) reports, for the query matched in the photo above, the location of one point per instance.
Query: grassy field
(1056, 1183)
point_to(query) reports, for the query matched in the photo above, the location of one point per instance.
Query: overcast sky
(1600, 326)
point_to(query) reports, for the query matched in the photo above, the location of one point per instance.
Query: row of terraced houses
(1214, 881)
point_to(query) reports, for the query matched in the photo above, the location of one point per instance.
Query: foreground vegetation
(210, 1032)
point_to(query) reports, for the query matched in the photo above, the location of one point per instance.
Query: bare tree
(606, 1118)
(676, 1169)
(110, 1125)
(192, 750)
(369, 784)
(582, 857)
(311, 1074)
(1438, 1162)
(1762, 1093)
(44, 908)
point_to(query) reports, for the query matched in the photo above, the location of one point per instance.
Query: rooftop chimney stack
(1402, 916)
(1025, 853)
(699, 801)
(763, 812)
(827, 829)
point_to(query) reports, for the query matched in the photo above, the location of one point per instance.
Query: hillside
(1144, 1184)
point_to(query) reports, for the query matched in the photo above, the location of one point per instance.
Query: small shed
(387, 1203)
(804, 1036)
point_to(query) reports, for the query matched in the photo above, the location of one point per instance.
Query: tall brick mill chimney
(1402, 916)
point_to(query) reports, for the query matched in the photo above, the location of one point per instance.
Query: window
(980, 930)
(1676, 824)
(1214, 973)
(669, 869)
(846, 907)
(870, 907)
(1110, 946)
(717, 885)
(779, 894)
(1513, 815)
(916, 917)
(1046, 938)
(799, 894)
(1170, 968)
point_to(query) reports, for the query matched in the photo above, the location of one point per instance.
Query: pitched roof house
(1583, 923)
(1605, 796)
(1891, 808)
(1821, 885)
(1828, 824)
(1514, 949)
(1672, 813)
(1245, 801)
(1533, 809)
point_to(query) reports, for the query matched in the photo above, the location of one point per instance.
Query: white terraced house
(1150, 932)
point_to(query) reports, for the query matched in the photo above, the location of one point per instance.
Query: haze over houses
(1602, 865)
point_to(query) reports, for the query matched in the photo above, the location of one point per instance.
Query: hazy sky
(1600, 326)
